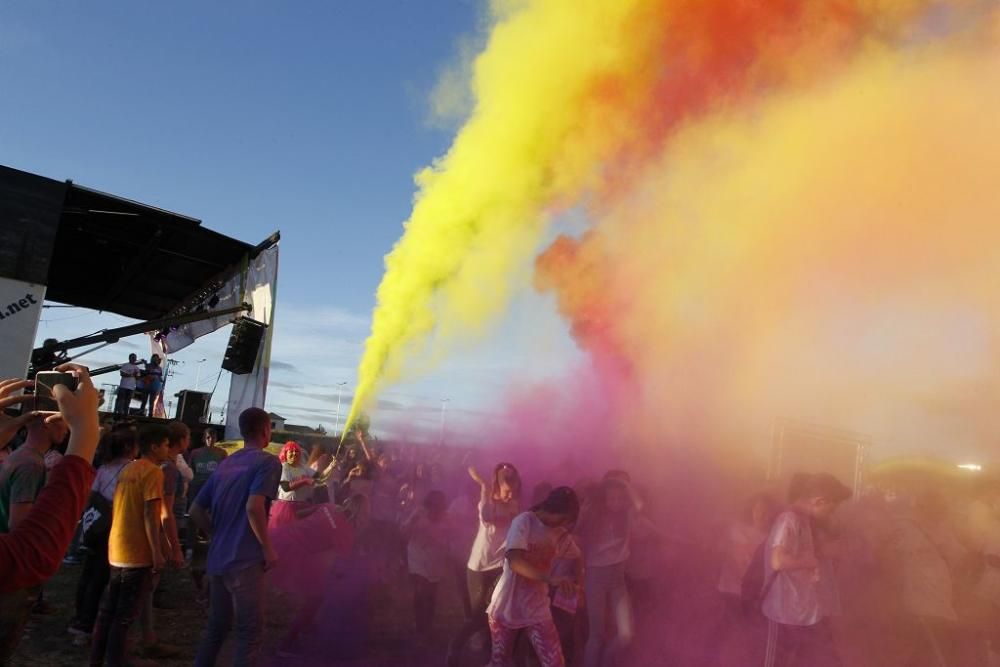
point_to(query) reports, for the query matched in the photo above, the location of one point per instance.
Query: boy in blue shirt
(232, 508)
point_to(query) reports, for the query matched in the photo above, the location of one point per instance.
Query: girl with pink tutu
(295, 491)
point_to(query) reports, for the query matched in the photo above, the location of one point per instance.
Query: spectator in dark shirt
(204, 461)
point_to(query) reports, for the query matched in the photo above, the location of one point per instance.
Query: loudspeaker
(192, 406)
(244, 344)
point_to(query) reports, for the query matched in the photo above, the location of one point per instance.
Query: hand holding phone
(78, 408)
(45, 384)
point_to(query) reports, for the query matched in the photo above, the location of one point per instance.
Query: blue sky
(308, 117)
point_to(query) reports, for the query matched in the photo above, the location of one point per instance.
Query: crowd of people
(589, 573)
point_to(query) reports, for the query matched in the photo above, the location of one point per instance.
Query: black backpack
(95, 525)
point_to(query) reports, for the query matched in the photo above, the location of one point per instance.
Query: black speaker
(244, 344)
(192, 406)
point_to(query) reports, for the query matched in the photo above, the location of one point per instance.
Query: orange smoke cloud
(826, 255)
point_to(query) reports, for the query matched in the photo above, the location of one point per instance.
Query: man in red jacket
(33, 550)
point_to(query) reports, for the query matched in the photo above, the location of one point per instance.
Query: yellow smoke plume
(478, 213)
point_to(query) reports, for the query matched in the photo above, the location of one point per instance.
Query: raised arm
(323, 476)
(484, 489)
(364, 446)
(33, 551)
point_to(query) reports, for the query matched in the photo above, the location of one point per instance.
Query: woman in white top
(499, 503)
(520, 603)
(295, 490)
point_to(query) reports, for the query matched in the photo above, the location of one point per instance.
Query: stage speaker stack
(192, 406)
(244, 344)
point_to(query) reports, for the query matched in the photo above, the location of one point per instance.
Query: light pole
(197, 381)
(444, 405)
(336, 418)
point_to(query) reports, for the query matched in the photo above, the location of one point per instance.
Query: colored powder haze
(792, 210)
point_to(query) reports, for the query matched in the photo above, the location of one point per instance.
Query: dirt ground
(392, 642)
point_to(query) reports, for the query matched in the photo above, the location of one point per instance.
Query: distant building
(277, 422)
(304, 430)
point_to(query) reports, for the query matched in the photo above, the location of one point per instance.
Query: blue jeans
(94, 578)
(127, 591)
(236, 595)
(607, 595)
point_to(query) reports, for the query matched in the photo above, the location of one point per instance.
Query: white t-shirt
(798, 597)
(488, 548)
(128, 380)
(519, 602)
(607, 538)
(427, 548)
(290, 474)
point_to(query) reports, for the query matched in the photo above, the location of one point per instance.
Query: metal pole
(114, 335)
(336, 418)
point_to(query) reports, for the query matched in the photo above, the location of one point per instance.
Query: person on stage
(153, 384)
(126, 387)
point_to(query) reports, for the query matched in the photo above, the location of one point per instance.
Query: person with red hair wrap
(296, 487)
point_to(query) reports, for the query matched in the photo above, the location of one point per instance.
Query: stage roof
(107, 253)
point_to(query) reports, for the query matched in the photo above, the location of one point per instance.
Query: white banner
(250, 390)
(20, 310)
(229, 295)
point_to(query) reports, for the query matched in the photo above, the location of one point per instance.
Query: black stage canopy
(104, 252)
